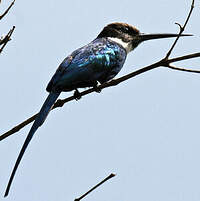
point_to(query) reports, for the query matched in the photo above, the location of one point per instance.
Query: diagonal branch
(183, 69)
(182, 28)
(103, 181)
(7, 38)
(186, 57)
(60, 103)
(1, 16)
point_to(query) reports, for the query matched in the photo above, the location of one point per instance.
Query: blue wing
(100, 61)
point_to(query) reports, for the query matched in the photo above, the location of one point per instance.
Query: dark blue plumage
(99, 61)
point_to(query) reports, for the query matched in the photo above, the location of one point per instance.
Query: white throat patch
(125, 45)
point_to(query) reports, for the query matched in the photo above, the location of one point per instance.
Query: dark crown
(119, 30)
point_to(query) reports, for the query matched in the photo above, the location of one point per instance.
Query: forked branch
(182, 28)
(60, 103)
(6, 39)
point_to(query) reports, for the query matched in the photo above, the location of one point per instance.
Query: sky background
(146, 130)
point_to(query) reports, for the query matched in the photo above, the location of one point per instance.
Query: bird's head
(129, 36)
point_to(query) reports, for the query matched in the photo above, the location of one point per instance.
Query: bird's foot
(96, 88)
(77, 95)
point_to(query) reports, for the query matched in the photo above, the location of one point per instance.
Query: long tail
(37, 123)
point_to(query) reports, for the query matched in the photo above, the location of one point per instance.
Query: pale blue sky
(145, 130)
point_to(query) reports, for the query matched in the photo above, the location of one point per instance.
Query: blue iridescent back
(101, 60)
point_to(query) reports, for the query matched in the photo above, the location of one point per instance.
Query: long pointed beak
(144, 37)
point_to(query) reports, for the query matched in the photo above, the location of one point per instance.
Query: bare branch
(60, 103)
(182, 28)
(183, 69)
(18, 127)
(189, 56)
(1, 16)
(106, 179)
(7, 38)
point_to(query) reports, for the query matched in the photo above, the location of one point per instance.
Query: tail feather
(37, 123)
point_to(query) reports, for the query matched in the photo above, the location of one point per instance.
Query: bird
(97, 62)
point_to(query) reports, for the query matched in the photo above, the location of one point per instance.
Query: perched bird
(99, 61)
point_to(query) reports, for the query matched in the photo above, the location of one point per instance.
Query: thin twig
(1, 16)
(182, 28)
(183, 69)
(186, 57)
(6, 39)
(106, 179)
(60, 103)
